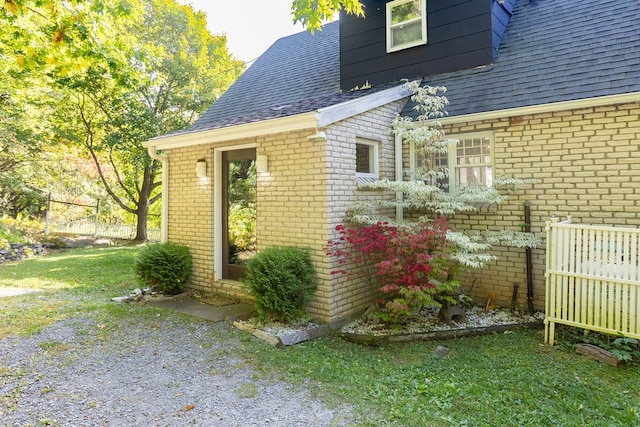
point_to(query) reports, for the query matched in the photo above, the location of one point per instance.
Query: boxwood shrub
(282, 280)
(164, 267)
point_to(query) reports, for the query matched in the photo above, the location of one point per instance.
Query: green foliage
(427, 193)
(242, 205)
(242, 227)
(312, 13)
(411, 265)
(283, 281)
(493, 380)
(625, 349)
(166, 267)
(18, 230)
(95, 80)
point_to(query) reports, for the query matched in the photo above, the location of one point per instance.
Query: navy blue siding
(500, 15)
(459, 36)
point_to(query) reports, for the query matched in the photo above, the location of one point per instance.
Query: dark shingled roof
(297, 74)
(553, 51)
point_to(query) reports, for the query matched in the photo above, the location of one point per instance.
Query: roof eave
(311, 120)
(344, 110)
(242, 131)
(544, 108)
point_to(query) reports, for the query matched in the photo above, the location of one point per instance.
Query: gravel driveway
(169, 371)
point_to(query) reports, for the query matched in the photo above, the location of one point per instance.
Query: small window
(406, 24)
(366, 159)
(473, 162)
(467, 162)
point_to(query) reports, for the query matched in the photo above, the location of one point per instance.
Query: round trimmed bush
(165, 267)
(282, 280)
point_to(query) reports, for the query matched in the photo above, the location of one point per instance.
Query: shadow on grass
(81, 269)
(70, 282)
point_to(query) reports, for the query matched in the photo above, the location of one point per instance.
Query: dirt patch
(12, 291)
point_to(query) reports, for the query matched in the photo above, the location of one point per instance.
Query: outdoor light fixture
(317, 137)
(201, 168)
(262, 163)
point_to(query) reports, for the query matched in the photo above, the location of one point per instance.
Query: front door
(239, 211)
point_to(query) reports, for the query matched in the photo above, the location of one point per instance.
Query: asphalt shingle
(552, 51)
(285, 80)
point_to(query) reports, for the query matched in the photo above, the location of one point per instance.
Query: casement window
(366, 158)
(468, 162)
(406, 24)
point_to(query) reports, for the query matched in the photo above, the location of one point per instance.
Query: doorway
(239, 186)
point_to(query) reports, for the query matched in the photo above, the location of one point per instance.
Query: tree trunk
(143, 204)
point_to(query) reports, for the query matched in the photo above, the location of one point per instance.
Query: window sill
(366, 178)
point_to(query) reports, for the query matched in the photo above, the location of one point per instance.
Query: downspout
(164, 213)
(398, 159)
(528, 257)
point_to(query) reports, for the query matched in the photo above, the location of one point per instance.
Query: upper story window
(366, 158)
(467, 162)
(406, 24)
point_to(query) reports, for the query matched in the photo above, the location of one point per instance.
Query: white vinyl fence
(592, 278)
(90, 228)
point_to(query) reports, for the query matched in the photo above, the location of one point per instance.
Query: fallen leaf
(189, 407)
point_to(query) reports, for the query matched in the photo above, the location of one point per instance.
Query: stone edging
(20, 251)
(281, 341)
(381, 340)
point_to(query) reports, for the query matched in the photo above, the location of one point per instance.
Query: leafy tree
(414, 261)
(121, 72)
(312, 13)
(424, 193)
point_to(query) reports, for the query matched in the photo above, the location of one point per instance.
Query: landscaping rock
(283, 335)
(20, 251)
(426, 326)
(442, 351)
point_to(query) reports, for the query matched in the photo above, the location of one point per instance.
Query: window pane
(473, 158)
(405, 12)
(363, 158)
(474, 151)
(406, 33)
(437, 163)
(475, 175)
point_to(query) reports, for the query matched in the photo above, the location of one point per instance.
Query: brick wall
(292, 202)
(586, 165)
(348, 298)
(191, 209)
(300, 200)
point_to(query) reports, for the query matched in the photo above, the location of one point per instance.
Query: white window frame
(374, 159)
(390, 26)
(452, 156)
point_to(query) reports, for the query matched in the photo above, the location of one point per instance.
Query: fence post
(97, 217)
(47, 215)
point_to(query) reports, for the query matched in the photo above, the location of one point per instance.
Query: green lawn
(497, 380)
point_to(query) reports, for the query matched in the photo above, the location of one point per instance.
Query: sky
(251, 26)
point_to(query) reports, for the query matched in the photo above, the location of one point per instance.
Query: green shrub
(18, 230)
(283, 281)
(165, 267)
